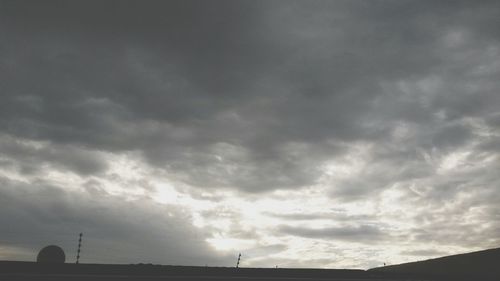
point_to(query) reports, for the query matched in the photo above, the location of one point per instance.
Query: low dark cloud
(333, 216)
(35, 156)
(425, 253)
(362, 233)
(115, 230)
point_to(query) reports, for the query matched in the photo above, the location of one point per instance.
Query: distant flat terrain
(26, 271)
(27, 277)
(481, 266)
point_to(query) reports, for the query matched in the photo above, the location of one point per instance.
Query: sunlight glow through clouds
(230, 244)
(127, 177)
(452, 161)
(350, 163)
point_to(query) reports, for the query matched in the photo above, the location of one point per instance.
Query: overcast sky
(300, 133)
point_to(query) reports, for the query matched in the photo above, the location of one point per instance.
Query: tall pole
(79, 248)
(238, 263)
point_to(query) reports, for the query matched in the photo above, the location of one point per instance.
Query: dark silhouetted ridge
(481, 265)
(12, 270)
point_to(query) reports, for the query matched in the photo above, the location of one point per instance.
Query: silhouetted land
(483, 265)
(38, 271)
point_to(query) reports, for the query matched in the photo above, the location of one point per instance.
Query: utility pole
(79, 248)
(238, 263)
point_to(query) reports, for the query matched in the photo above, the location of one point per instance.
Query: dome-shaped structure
(51, 254)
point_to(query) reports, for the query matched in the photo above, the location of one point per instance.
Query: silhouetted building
(51, 254)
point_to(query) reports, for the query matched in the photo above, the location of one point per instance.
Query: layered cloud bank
(303, 134)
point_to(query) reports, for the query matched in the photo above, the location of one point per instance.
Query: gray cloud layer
(180, 81)
(258, 96)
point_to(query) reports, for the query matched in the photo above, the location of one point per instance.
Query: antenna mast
(238, 263)
(79, 248)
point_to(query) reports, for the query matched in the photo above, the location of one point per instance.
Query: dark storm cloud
(282, 84)
(33, 157)
(37, 214)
